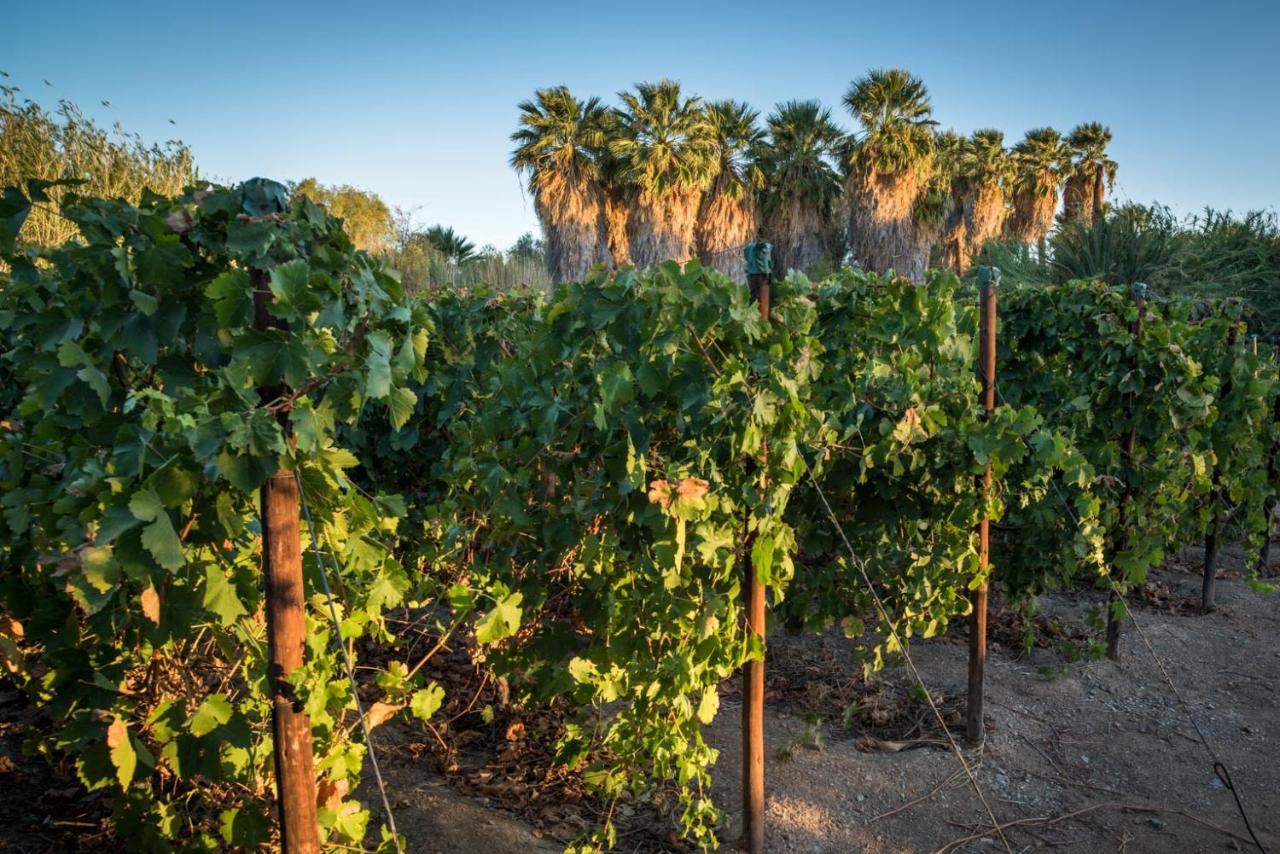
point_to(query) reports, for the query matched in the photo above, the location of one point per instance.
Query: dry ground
(1080, 757)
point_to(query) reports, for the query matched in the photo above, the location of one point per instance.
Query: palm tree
(554, 146)
(801, 182)
(453, 246)
(617, 193)
(667, 156)
(941, 206)
(987, 170)
(1040, 160)
(889, 168)
(729, 215)
(1091, 172)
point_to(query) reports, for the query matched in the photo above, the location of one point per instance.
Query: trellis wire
(346, 657)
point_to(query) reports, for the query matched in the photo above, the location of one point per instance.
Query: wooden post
(753, 671)
(1128, 444)
(975, 731)
(1207, 603)
(286, 627)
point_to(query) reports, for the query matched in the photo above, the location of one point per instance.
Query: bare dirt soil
(1080, 756)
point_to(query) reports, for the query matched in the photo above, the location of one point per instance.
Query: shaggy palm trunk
(1033, 212)
(725, 224)
(571, 210)
(661, 227)
(928, 233)
(1099, 192)
(795, 228)
(955, 239)
(615, 225)
(1076, 198)
(983, 218)
(883, 233)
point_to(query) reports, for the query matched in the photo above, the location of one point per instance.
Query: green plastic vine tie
(263, 197)
(759, 258)
(988, 277)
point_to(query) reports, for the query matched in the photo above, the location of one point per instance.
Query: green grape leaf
(214, 711)
(501, 622)
(426, 702)
(220, 596)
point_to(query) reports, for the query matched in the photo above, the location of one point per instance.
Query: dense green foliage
(577, 479)
(1213, 256)
(131, 461)
(66, 144)
(1199, 410)
(903, 444)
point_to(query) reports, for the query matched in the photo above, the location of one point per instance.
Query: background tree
(614, 188)
(889, 168)
(667, 153)
(365, 217)
(453, 246)
(66, 144)
(729, 214)
(526, 246)
(1091, 172)
(801, 184)
(1040, 160)
(554, 146)
(941, 207)
(986, 171)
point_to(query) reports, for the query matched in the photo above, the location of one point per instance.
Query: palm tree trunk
(882, 228)
(1099, 193)
(725, 224)
(572, 214)
(615, 224)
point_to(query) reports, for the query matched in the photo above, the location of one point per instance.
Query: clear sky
(416, 100)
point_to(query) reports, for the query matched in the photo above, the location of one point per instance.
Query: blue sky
(417, 102)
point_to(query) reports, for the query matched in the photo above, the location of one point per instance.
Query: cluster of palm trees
(666, 175)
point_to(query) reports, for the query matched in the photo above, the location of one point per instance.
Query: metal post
(286, 627)
(759, 265)
(1128, 444)
(975, 731)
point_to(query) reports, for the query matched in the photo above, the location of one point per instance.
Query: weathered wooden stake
(1207, 603)
(975, 731)
(1128, 444)
(286, 627)
(759, 263)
